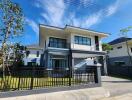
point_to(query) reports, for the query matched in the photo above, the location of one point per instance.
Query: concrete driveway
(117, 86)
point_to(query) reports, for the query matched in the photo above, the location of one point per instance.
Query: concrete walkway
(117, 86)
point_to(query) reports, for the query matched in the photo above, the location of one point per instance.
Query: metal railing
(59, 45)
(37, 78)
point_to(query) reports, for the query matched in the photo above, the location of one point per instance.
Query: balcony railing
(58, 45)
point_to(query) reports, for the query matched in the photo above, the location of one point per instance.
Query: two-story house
(121, 52)
(70, 47)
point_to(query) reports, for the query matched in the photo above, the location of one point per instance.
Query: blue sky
(107, 16)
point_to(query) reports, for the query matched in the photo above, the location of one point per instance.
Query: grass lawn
(13, 83)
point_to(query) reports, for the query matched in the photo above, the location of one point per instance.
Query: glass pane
(84, 40)
(88, 41)
(76, 39)
(80, 40)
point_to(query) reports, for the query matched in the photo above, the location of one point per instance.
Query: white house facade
(70, 47)
(121, 52)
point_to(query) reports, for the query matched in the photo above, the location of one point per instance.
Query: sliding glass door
(58, 62)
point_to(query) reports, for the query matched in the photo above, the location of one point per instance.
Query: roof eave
(86, 30)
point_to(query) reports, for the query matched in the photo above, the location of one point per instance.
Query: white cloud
(96, 17)
(112, 9)
(54, 11)
(33, 25)
(86, 3)
(87, 21)
(92, 19)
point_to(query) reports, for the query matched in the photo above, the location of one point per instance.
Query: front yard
(24, 83)
(27, 83)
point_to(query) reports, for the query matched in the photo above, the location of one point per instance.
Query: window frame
(120, 63)
(57, 42)
(82, 40)
(119, 47)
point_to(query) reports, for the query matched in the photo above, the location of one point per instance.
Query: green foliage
(106, 47)
(124, 31)
(19, 52)
(12, 19)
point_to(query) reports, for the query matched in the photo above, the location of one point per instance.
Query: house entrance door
(57, 64)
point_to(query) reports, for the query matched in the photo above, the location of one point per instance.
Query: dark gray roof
(119, 40)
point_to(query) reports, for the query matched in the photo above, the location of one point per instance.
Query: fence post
(19, 75)
(32, 78)
(70, 63)
(98, 75)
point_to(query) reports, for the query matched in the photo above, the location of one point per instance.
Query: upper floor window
(82, 40)
(57, 42)
(119, 63)
(119, 47)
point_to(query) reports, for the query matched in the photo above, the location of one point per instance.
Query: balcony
(58, 45)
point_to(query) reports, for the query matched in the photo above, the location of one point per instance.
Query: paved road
(117, 86)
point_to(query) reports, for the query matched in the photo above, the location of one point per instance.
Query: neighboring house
(121, 54)
(33, 55)
(70, 47)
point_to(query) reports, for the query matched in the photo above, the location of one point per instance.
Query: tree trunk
(130, 58)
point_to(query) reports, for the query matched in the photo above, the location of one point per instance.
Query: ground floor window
(120, 63)
(58, 62)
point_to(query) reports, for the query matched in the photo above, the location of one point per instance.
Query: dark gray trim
(60, 51)
(39, 34)
(45, 90)
(88, 52)
(51, 26)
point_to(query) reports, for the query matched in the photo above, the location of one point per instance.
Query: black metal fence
(122, 71)
(41, 78)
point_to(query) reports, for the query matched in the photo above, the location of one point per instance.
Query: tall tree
(124, 32)
(11, 23)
